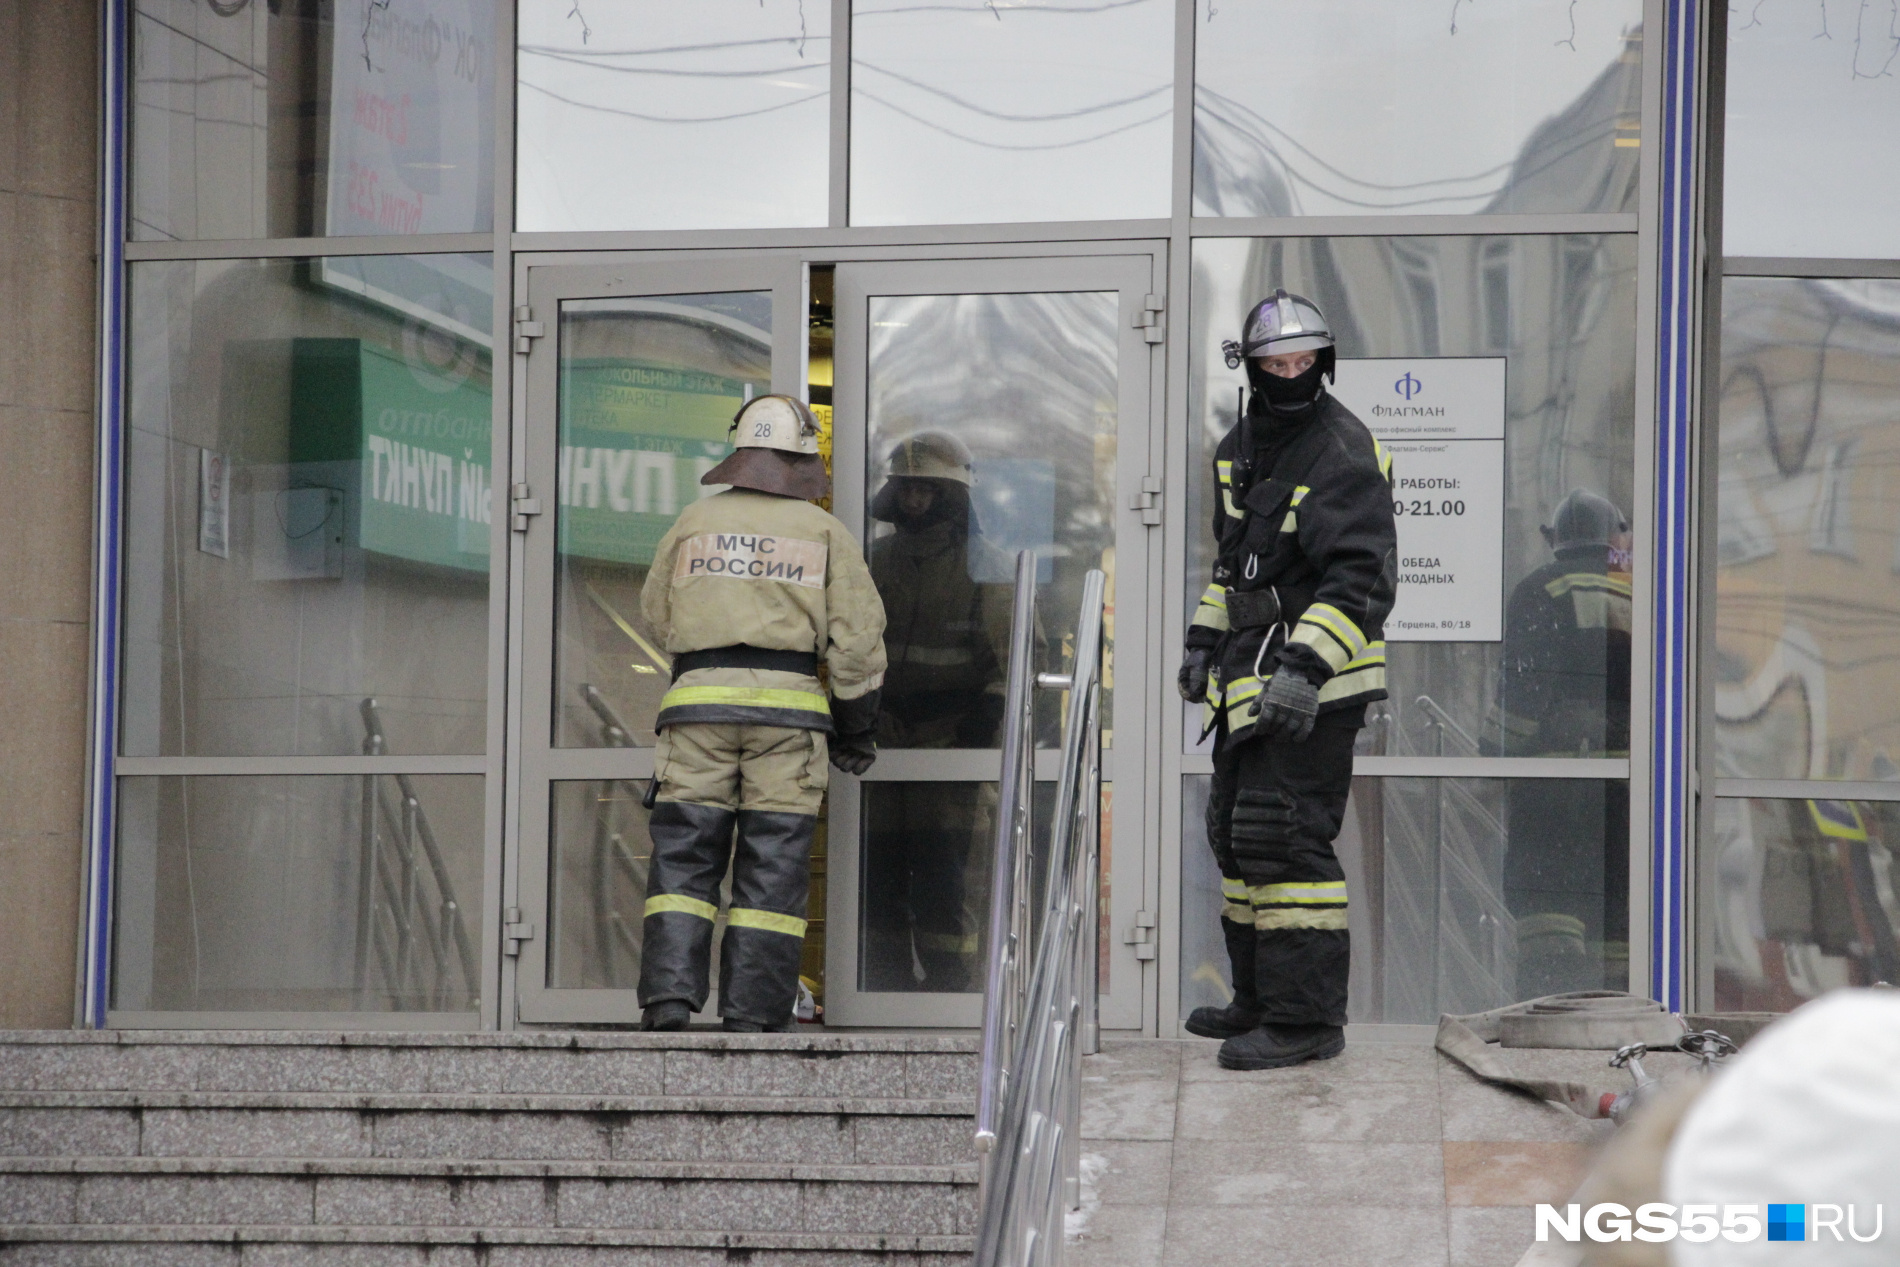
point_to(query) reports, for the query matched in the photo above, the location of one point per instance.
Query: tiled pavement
(1389, 1154)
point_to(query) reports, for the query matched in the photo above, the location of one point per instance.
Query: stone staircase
(166, 1149)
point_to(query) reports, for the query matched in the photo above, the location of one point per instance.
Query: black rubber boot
(668, 1016)
(765, 925)
(691, 844)
(1243, 1014)
(1278, 1046)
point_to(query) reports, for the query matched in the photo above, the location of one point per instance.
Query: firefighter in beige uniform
(750, 589)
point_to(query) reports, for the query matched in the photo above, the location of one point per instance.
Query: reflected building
(1808, 600)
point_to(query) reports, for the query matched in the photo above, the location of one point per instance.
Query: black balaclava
(951, 503)
(1289, 396)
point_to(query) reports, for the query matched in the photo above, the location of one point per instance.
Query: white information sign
(1442, 419)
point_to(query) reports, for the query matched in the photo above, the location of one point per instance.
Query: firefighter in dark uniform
(750, 589)
(1564, 691)
(1285, 650)
(946, 593)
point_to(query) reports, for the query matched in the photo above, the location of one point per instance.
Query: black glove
(1192, 679)
(1262, 828)
(1288, 706)
(854, 743)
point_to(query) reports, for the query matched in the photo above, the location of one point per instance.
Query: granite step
(534, 1149)
(330, 1194)
(530, 1128)
(242, 1245)
(625, 1064)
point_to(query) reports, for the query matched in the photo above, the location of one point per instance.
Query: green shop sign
(419, 443)
(635, 438)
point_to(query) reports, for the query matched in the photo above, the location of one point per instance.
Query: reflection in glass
(308, 507)
(1812, 103)
(969, 111)
(924, 900)
(649, 114)
(648, 387)
(1807, 562)
(298, 894)
(1561, 310)
(1393, 106)
(961, 390)
(307, 120)
(1802, 900)
(597, 881)
(1464, 894)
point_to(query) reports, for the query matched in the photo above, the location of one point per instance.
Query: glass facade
(383, 518)
(1393, 107)
(308, 484)
(646, 114)
(1811, 101)
(1557, 315)
(307, 120)
(298, 894)
(970, 112)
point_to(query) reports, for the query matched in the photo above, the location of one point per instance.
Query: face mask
(1289, 393)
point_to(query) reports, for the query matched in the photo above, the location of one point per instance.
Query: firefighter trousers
(767, 783)
(1284, 911)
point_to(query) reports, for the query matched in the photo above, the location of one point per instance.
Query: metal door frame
(1135, 278)
(537, 763)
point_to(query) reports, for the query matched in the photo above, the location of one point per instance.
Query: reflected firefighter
(750, 589)
(1564, 692)
(944, 589)
(1285, 650)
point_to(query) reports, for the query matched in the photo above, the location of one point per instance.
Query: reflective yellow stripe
(1212, 613)
(1338, 624)
(1364, 673)
(1233, 890)
(1331, 633)
(1385, 459)
(1226, 471)
(1333, 891)
(1234, 913)
(1227, 500)
(1299, 493)
(744, 697)
(680, 904)
(1838, 819)
(1587, 581)
(1333, 917)
(769, 921)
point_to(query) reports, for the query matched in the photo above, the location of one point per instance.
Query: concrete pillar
(49, 52)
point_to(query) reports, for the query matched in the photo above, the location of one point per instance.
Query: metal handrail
(398, 876)
(1040, 1011)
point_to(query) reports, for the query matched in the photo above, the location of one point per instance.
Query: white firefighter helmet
(1280, 324)
(784, 423)
(932, 455)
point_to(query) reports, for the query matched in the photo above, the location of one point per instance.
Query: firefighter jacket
(1565, 684)
(1305, 571)
(948, 596)
(746, 570)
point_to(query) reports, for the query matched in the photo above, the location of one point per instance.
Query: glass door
(634, 373)
(983, 407)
